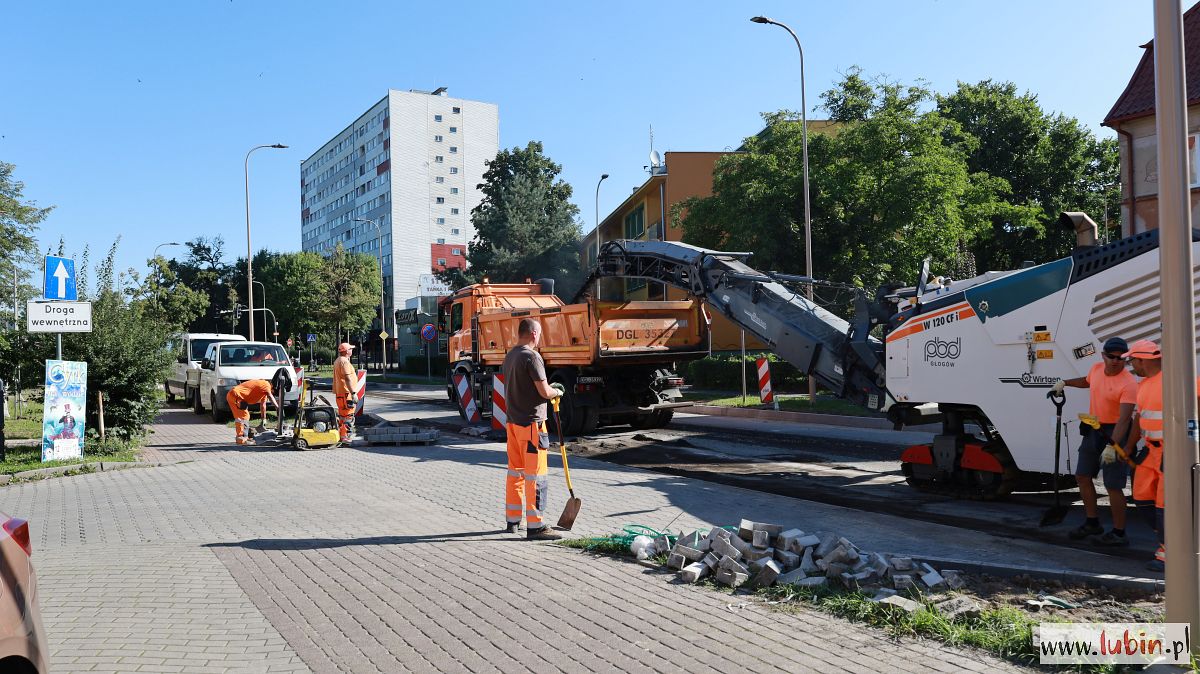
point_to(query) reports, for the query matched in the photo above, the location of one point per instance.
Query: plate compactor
(315, 425)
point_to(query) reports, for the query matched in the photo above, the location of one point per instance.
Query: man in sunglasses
(1113, 397)
(1146, 359)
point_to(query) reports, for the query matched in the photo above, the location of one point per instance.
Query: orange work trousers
(527, 474)
(241, 417)
(1148, 482)
(347, 405)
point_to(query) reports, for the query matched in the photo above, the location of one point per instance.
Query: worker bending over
(1113, 395)
(241, 397)
(345, 389)
(1146, 360)
(526, 392)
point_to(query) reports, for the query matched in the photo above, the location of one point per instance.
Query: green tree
(205, 271)
(19, 219)
(525, 226)
(126, 352)
(1048, 163)
(296, 289)
(889, 186)
(168, 299)
(352, 282)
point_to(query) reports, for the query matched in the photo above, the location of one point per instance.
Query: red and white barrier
(465, 400)
(499, 406)
(764, 381)
(361, 403)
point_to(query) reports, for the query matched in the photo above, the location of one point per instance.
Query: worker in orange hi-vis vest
(345, 389)
(241, 397)
(1146, 360)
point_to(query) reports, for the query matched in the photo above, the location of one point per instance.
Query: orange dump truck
(616, 360)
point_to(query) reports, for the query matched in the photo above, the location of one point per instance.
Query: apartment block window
(456, 251)
(454, 129)
(439, 159)
(442, 221)
(453, 149)
(441, 200)
(441, 241)
(453, 170)
(453, 190)
(454, 231)
(437, 139)
(437, 118)
(439, 179)
(635, 223)
(453, 211)
(442, 261)
(456, 110)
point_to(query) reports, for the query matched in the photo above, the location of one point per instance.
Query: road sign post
(429, 334)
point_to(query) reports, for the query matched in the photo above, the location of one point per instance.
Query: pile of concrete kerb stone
(761, 555)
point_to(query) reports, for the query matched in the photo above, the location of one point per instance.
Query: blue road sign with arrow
(58, 283)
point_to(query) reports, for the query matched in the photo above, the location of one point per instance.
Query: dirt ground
(1095, 604)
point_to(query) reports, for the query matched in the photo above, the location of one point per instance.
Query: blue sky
(133, 118)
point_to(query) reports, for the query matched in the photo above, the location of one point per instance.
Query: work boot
(512, 527)
(241, 440)
(1113, 540)
(542, 534)
(1084, 530)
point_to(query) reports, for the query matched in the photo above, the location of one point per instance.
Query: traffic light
(237, 312)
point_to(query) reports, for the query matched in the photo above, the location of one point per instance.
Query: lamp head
(604, 176)
(761, 19)
(278, 146)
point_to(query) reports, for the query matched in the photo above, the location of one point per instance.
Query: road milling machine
(976, 355)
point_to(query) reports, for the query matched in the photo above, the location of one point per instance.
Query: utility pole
(1180, 458)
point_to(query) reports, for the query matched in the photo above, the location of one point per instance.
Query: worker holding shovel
(1113, 396)
(526, 391)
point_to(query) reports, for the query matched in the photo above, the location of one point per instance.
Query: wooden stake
(100, 398)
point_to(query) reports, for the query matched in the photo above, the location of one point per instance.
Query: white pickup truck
(227, 364)
(189, 349)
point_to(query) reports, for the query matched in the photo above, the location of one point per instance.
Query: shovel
(571, 511)
(1058, 512)
(1094, 423)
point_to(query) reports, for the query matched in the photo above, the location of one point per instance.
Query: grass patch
(27, 424)
(19, 459)
(792, 402)
(604, 545)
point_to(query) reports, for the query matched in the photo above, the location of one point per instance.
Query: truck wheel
(591, 419)
(218, 415)
(170, 396)
(662, 418)
(197, 405)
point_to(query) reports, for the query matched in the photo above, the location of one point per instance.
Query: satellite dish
(655, 159)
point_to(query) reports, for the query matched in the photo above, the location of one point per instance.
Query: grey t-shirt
(522, 367)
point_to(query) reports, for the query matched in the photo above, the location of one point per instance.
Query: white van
(189, 349)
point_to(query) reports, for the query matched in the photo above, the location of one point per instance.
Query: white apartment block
(410, 163)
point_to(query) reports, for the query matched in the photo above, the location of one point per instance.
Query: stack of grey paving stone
(762, 555)
(390, 433)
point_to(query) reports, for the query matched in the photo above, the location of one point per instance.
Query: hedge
(720, 372)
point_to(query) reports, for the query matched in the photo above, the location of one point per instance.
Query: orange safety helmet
(345, 347)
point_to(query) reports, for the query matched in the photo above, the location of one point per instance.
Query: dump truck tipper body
(615, 359)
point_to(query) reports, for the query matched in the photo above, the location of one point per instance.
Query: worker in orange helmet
(241, 397)
(345, 389)
(1146, 360)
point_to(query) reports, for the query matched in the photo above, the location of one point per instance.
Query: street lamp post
(808, 264)
(249, 252)
(264, 303)
(382, 291)
(603, 177)
(156, 288)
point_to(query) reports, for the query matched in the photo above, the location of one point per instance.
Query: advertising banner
(63, 410)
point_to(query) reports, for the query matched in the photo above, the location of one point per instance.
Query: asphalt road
(851, 467)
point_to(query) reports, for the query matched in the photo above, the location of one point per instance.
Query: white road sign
(59, 316)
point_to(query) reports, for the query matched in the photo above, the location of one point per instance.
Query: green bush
(416, 364)
(722, 372)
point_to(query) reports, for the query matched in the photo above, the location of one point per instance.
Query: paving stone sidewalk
(388, 559)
